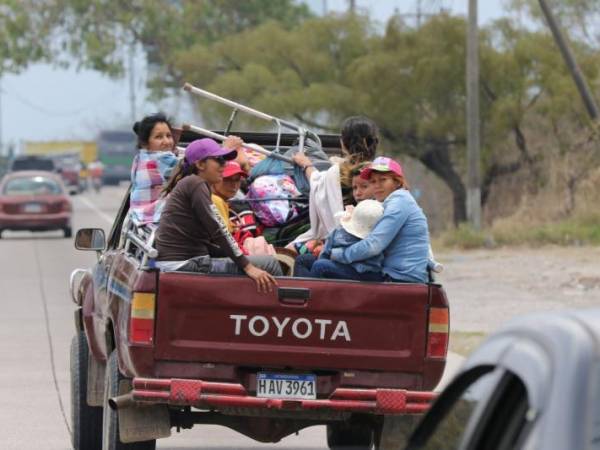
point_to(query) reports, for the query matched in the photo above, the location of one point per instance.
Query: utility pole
(418, 15)
(132, 81)
(325, 8)
(567, 54)
(352, 6)
(1, 131)
(473, 141)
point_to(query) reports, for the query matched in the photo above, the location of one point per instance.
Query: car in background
(34, 201)
(535, 384)
(32, 162)
(69, 167)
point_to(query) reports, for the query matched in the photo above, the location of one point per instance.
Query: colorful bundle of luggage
(278, 195)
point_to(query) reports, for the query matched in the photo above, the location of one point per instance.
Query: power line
(41, 109)
(420, 15)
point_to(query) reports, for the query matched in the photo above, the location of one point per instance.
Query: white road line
(94, 208)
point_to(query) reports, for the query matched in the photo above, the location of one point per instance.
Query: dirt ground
(486, 288)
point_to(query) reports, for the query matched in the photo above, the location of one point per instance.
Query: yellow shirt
(223, 208)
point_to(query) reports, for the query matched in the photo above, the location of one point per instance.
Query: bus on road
(116, 149)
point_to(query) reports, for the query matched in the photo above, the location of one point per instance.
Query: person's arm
(304, 161)
(207, 214)
(378, 239)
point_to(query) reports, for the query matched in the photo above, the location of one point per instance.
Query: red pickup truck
(156, 350)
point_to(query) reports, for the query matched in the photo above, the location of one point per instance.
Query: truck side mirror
(90, 239)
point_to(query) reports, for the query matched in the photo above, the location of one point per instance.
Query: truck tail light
(141, 325)
(437, 333)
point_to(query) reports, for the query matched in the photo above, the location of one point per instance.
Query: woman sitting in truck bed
(192, 236)
(402, 233)
(152, 167)
(331, 190)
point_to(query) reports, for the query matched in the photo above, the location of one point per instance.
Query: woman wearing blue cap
(192, 236)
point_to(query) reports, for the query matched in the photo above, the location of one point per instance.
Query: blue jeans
(303, 265)
(206, 264)
(325, 268)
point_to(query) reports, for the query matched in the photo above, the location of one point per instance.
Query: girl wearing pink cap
(401, 235)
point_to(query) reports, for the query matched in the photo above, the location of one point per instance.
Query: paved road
(36, 326)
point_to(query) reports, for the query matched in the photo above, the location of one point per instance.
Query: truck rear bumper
(204, 394)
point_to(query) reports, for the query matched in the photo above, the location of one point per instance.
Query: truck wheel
(395, 431)
(110, 425)
(68, 232)
(349, 436)
(86, 420)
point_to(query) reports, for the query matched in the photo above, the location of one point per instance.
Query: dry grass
(582, 229)
(464, 343)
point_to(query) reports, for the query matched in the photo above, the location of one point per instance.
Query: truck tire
(86, 420)
(349, 436)
(110, 425)
(68, 232)
(395, 431)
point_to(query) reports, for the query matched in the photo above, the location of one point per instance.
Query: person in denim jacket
(353, 228)
(401, 235)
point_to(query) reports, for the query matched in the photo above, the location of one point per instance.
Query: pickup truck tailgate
(305, 323)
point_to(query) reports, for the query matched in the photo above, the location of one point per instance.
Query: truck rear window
(33, 164)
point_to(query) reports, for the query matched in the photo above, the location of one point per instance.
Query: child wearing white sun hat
(356, 224)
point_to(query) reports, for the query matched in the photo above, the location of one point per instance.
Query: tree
(97, 33)
(410, 81)
(24, 31)
(271, 55)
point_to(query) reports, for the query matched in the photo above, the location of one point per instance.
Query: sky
(45, 103)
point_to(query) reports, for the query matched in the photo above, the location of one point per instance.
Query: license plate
(286, 386)
(32, 208)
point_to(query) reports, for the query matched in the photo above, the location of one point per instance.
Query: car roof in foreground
(552, 348)
(552, 326)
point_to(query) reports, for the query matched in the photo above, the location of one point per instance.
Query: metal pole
(352, 5)
(325, 7)
(132, 82)
(419, 13)
(473, 143)
(567, 54)
(1, 131)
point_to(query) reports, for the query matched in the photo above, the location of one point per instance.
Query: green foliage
(410, 81)
(24, 30)
(98, 32)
